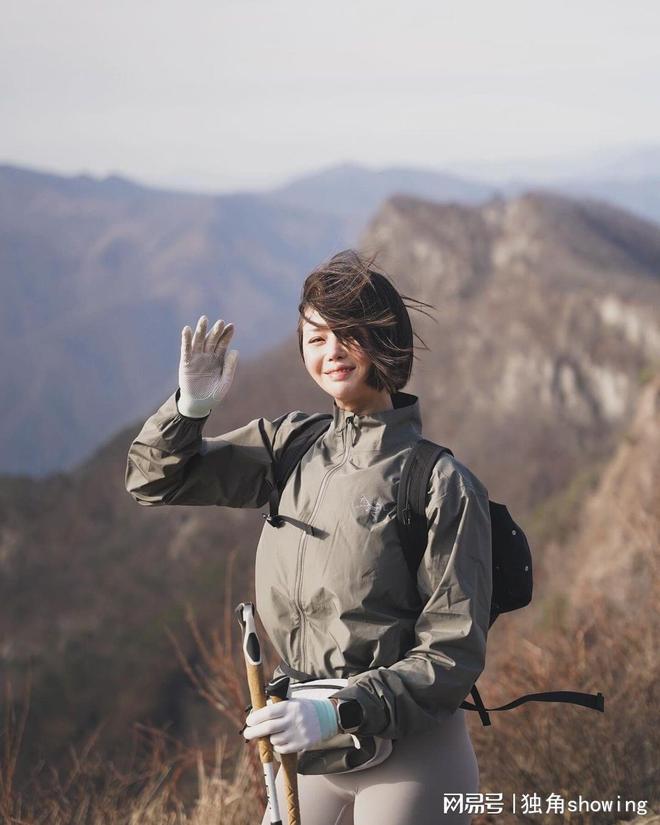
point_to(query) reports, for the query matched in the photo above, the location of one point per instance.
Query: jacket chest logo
(372, 508)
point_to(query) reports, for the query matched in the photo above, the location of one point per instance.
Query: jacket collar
(383, 430)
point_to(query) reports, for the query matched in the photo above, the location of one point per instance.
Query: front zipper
(303, 540)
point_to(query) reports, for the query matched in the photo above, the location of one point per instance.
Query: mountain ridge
(533, 371)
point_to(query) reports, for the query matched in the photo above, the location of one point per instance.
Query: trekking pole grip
(254, 669)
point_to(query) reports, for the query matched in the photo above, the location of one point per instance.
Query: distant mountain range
(623, 162)
(547, 334)
(353, 192)
(99, 276)
(628, 176)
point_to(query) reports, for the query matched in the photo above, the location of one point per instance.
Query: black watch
(350, 714)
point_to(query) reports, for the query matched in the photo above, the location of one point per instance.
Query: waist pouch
(345, 752)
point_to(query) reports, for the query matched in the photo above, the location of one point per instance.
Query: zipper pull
(351, 420)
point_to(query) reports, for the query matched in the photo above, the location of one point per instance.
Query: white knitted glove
(293, 725)
(206, 369)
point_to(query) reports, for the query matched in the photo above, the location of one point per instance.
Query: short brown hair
(362, 305)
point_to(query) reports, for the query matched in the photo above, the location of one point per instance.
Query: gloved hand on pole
(254, 667)
(206, 369)
(294, 725)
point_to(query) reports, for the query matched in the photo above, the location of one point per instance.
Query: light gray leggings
(406, 789)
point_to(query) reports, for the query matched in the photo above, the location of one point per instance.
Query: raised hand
(206, 369)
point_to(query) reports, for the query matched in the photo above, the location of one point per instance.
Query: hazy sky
(248, 93)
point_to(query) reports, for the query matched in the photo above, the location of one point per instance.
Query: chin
(341, 393)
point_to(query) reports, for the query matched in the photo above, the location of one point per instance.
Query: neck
(378, 402)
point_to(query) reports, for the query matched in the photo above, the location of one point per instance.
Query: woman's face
(339, 370)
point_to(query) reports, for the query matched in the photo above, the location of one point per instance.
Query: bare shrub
(571, 751)
(146, 790)
(539, 748)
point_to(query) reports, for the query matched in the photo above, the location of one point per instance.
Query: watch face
(350, 714)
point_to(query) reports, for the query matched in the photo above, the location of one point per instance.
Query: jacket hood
(384, 430)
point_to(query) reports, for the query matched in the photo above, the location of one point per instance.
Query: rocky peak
(548, 317)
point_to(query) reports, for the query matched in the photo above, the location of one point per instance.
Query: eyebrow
(312, 328)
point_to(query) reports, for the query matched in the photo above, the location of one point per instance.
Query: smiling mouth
(340, 371)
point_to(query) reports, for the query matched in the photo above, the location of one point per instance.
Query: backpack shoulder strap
(411, 500)
(413, 531)
(295, 447)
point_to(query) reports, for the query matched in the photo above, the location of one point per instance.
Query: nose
(336, 350)
(335, 344)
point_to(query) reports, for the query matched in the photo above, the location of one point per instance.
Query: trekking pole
(254, 668)
(278, 690)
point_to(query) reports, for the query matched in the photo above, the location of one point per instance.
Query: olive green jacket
(338, 599)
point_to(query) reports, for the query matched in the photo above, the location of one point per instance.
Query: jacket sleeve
(455, 582)
(170, 463)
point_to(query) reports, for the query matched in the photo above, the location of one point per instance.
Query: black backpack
(511, 557)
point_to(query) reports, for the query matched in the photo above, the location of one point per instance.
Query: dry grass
(153, 784)
(96, 792)
(569, 750)
(537, 748)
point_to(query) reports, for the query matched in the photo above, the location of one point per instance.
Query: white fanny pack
(345, 752)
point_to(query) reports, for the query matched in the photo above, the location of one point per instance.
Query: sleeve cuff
(194, 410)
(376, 715)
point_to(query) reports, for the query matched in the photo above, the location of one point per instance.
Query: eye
(311, 340)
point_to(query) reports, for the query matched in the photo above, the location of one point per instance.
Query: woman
(333, 589)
